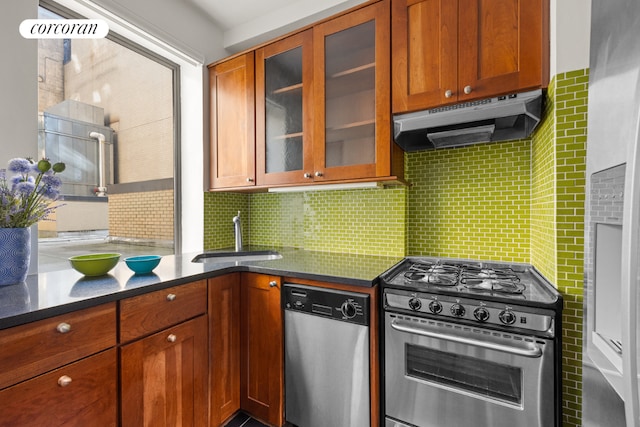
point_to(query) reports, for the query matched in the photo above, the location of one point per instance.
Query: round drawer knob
(467, 90)
(273, 284)
(318, 174)
(64, 381)
(171, 297)
(448, 93)
(249, 179)
(63, 328)
(172, 338)
(307, 175)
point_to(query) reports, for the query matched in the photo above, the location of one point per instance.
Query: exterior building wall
(136, 95)
(145, 216)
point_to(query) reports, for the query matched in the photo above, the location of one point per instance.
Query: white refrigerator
(612, 218)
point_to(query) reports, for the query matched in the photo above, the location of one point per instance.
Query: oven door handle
(533, 352)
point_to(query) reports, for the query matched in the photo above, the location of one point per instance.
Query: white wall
(19, 89)
(296, 14)
(176, 22)
(570, 33)
(18, 84)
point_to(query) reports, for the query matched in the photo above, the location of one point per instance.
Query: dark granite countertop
(50, 294)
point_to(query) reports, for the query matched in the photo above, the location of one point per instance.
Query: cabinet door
(224, 339)
(424, 53)
(163, 377)
(501, 46)
(352, 137)
(83, 393)
(261, 372)
(232, 100)
(284, 72)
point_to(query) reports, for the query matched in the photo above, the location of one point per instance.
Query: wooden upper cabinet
(424, 51)
(321, 107)
(447, 51)
(501, 46)
(232, 99)
(352, 135)
(284, 110)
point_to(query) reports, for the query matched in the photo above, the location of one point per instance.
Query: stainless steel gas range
(470, 343)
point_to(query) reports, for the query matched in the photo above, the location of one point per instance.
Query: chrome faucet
(237, 228)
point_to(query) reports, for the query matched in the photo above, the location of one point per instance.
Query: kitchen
(534, 228)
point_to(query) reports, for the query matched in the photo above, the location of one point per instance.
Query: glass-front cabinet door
(284, 72)
(352, 137)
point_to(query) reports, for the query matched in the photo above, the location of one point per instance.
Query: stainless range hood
(488, 120)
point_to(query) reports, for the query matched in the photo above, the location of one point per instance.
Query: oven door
(443, 374)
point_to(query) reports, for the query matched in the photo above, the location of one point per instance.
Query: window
(108, 108)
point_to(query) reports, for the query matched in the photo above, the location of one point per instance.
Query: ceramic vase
(15, 255)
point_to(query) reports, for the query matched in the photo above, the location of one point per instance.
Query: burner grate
(476, 278)
(503, 280)
(433, 274)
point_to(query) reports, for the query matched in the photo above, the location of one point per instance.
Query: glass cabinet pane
(350, 96)
(283, 111)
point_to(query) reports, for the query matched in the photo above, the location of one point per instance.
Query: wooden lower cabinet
(163, 377)
(224, 339)
(262, 365)
(246, 339)
(83, 393)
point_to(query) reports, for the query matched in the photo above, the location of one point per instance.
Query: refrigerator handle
(629, 278)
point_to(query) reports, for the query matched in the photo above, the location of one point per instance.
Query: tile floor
(244, 420)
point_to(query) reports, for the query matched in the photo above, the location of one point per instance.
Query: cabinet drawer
(32, 349)
(80, 394)
(148, 313)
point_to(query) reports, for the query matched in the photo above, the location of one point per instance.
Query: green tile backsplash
(471, 202)
(367, 221)
(219, 210)
(570, 112)
(517, 201)
(543, 187)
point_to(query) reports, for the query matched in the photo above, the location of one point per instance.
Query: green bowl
(94, 264)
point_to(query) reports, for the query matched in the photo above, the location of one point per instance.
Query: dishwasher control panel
(339, 305)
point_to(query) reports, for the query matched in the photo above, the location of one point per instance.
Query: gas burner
(493, 285)
(504, 273)
(500, 280)
(433, 274)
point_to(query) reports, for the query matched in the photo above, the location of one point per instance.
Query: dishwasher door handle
(532, 352)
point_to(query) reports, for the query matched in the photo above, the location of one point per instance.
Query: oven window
(466, 373)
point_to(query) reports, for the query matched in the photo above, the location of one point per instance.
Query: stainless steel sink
(220, 257)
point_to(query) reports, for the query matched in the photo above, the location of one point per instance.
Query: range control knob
(457, 310)
(348, 310)
(481, 314)
(415, 304)
(507, 317)
(435, 307)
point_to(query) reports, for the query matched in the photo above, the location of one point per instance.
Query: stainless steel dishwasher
(326, 357)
